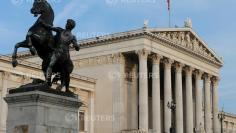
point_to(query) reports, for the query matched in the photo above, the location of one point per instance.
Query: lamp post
(221, 117)
(172, 106)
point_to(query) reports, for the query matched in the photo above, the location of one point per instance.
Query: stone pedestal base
(42, 112)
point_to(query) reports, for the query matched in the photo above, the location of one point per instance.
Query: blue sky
(213, 20)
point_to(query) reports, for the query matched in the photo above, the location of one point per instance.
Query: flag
(168, 3)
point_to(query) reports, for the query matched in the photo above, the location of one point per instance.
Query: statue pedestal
(38, 111)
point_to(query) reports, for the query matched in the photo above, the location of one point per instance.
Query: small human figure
(63, 39)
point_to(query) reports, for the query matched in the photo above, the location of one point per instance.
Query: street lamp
(172, 106)
(221, 116)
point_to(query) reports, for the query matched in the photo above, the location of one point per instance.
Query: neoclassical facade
(150, 79)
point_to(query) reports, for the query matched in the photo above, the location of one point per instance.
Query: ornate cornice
(202, 52)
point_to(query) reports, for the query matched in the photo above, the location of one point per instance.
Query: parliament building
(149, 80)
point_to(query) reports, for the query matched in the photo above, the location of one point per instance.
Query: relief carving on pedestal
(21, 129)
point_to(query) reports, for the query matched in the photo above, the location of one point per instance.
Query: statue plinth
(38, 110)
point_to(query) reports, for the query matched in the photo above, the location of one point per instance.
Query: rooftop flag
(168, 2)
(169, 10)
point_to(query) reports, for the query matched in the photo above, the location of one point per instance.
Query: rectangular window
(81, 121)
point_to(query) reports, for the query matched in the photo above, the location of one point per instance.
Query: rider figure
(63, 39)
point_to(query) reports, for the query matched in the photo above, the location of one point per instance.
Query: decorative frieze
(187, 40)
(100, 60)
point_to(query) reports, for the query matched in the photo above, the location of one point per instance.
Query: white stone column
(179, 98)
(118, 90)
(91, 112)
(167, 95)
(216, 128)
(189, 100)
(143, 90)
(156, 100)
(198, 95)
(3, 108)
(133, 100)
(207, 118)
(227, 127)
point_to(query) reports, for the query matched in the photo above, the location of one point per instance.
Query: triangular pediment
(188, 39)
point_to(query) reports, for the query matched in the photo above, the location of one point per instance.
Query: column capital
(178, 67)
(168, 62)
(143, 53)
(215, 80)
(207, 77)
(188, 70)
(198, 74)
(156, 58)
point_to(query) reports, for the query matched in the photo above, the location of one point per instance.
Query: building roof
(161, 34)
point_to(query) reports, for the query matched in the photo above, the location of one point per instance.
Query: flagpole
(169, 18)
(169, 10)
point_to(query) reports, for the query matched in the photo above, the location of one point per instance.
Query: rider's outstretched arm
(75, 44)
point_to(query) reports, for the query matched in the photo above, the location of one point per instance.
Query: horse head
(43, 8)
(38, 7)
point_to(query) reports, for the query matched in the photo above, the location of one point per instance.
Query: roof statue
(188, 23)
(145, 23)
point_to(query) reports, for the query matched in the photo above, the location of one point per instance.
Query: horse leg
(62, 77)
(67, 83)
(32, 49)
(56, 78)
(49, 69)
(14, 55)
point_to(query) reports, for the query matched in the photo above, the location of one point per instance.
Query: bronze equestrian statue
(54, 51)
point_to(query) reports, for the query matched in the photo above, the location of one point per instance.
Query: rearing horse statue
(38, 37)
(41, 40)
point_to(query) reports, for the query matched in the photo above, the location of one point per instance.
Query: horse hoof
(33, 51)
(14, 63)
(68, 91)
(58, 88)
(49, 84)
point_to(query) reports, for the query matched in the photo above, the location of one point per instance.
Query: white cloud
(73, 9)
